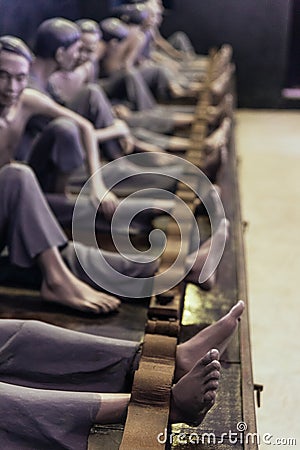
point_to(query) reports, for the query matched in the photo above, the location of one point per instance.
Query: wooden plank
(249, 416)
(25, 304)
(105, 437)
(227, 407)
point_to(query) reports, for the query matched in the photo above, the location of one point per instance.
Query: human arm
(34, 102)
(165, 46)
(119, 129)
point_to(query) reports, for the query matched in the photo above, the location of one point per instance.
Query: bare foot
(222, 59)
(223, 109)
(74, 293)
(217, 335)
(212, 163)
(122, 112)
(195, 393)
(200, 257)
(219, 137)
(178, 91)
(220, 85)
(212, 205)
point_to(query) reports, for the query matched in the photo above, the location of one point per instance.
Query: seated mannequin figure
(145, 17)
(177, 81)
(32, 235)
(61, 382)
(92, 104)
(129, 85)
(27, 225)
(17, 105)
(178, 46)
(68, 84)
(24, 103)
(89, 101)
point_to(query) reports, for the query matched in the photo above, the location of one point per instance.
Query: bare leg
(113, 408)
(195, 393)
(182, 119)
(175, 143)
(217, 335)
(61, 286)
(196, 376)
(200, 257)
(178, 143)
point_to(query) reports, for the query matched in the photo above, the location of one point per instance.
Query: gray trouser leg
(27, 226)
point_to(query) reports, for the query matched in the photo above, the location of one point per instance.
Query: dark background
(264, 35)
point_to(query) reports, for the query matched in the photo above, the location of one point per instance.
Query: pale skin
(196, 376)
(200, 256)
(172, 56)
(17, 105)
(89, 53)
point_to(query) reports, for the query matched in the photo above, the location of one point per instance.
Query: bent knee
(17, 173)
(64, 126)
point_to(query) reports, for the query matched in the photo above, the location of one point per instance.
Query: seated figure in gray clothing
(32, 235)
(56, 383)
(53, 51)
(22, 104)
(17, 105)
(63, 144)
(125, 84)
(27, 226)
(150, 120)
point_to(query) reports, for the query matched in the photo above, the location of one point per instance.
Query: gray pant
(56, 150)
(129, 86)
(53, 374)
(27, 225)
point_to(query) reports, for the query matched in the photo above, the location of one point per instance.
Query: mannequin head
(58, 39)
(15, 61)
(90, 38)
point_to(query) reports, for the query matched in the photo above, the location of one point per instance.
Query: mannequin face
(88, 48)
(151, 19)
(67, 58)
(14, 70)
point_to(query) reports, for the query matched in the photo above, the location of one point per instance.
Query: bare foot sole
(78, 295)
(221, 84)
(222, 110)
(212, 205)
(217, 335)
(200, 257)
(195, 393)
(219, 137)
